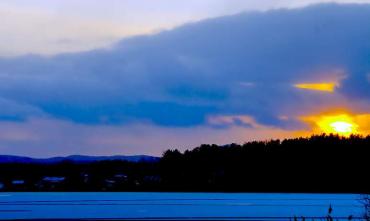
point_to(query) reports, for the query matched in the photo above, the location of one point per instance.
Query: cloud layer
(238, 71)
(51, 27)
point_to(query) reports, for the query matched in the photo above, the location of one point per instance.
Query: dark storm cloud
(244, 64)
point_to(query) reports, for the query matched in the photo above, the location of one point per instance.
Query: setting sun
(342, 124)
(342, 127)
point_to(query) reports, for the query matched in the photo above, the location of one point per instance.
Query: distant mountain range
(75, 158)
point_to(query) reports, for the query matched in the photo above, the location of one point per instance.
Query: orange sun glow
(343, 124)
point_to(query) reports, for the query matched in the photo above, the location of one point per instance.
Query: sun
(341, 124)
(342, 127)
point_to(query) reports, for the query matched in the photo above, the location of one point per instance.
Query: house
(51, 179)
(152, 179)
(50, 182)
(85, 177)
(18, 182)
(115, 180)
(120, 177)
(109, 183)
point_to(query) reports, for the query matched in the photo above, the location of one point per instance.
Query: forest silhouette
(320, 163)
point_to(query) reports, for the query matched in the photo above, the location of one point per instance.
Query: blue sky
(132, 77)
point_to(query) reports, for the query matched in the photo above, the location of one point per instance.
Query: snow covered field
(175, 205)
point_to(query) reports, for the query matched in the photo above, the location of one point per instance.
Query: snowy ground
(175, 205)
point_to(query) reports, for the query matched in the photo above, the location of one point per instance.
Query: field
(178, 206)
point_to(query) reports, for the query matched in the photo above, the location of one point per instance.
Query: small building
(17, 185)
(52, 179)
(152, 179)
(116, 180)
(120, 177)
(50, 183)
(109, 183)
(18, 182)
(85, 177)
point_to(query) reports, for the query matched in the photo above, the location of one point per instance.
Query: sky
(138, 77)
(56, 26)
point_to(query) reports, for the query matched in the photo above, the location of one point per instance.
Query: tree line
(320, 163)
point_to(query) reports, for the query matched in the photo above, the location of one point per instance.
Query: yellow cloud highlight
(343, 124)
(327, 86)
